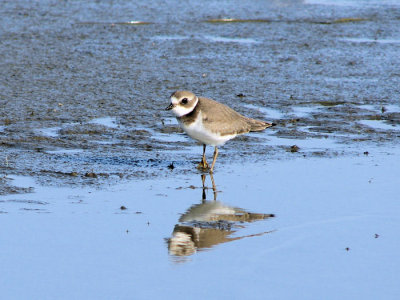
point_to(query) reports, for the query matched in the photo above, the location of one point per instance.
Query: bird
(210, 122)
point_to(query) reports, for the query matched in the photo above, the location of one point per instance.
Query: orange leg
(203, 165)
(214, 159)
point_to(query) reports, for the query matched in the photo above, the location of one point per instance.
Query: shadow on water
(210, 223)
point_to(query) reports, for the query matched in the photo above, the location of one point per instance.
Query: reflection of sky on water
(269, 112)
(49, 132)
(380, 124)
(322, 207)
(369, 40)
(356, 3)
(105, 121)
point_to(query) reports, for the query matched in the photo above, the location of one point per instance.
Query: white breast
(197, 131)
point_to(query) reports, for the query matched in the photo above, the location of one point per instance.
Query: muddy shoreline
(83, 91)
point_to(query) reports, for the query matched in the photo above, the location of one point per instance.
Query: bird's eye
(184, 101)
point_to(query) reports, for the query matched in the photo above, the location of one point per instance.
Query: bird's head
(182, 103)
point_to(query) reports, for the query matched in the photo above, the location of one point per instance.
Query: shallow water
(354, 3)
(341, 210)
(380, 125)
(100, 197)
(105, 121)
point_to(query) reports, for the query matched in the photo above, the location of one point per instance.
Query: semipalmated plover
(210, 122)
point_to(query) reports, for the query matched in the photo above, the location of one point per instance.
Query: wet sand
(84, 135)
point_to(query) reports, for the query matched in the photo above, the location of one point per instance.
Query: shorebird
(210, 122)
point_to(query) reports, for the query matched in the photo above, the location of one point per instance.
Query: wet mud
(84, 88)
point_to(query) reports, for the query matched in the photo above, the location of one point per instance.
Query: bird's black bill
(169, 107)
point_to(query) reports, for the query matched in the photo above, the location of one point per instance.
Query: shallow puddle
(230, 39)
(369, 40)
(274, 219)
(268, 112)
(110, 122)
(380, 125)
(353, 3)
(65, 151)
(49, 132)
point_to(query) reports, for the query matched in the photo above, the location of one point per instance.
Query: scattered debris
(91, 175)
(231, 20)
(349, 20)
(112, 24)
(342, 20)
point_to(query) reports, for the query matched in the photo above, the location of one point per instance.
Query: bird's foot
(203, 166)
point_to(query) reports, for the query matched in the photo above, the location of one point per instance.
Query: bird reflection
(209, 223)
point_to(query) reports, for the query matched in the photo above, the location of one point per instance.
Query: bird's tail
(258, 125)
